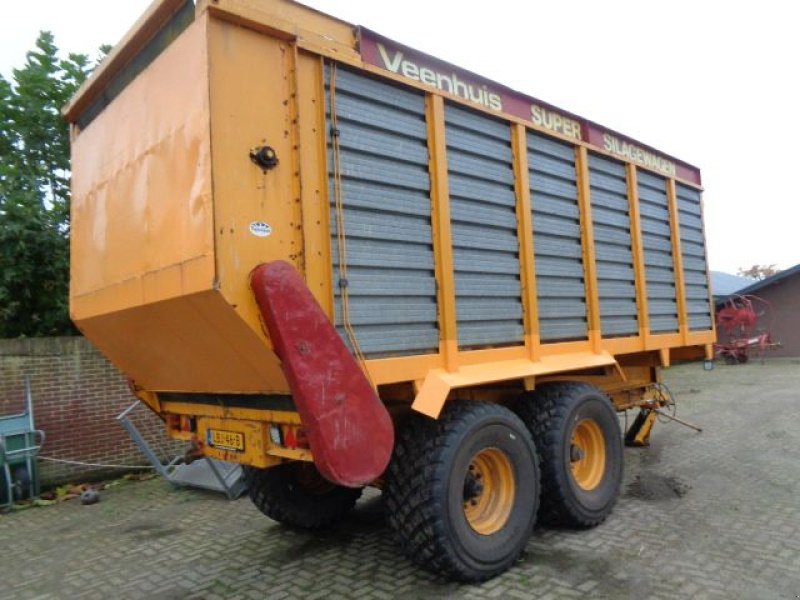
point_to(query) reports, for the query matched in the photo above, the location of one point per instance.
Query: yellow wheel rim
(489, 489)
(588, 455)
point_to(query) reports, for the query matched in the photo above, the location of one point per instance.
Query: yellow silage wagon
(341, 262)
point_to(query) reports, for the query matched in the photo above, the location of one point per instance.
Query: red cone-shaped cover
(348, 428)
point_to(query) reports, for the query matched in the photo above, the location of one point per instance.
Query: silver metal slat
(613, 218)
(649, 226)
(382, 144)
(604, 234)
(555, 226)
(376, 91)
(617, 289)
(559, 247)
(661, 291)
(384, 253)
(463, 140)
(562, 329)
(460, 117)
(557, 266)
(488, 215)
(385, 282)
(657, 243)
(374, 225)
(387, 172)
(563, 289)
(663, 307)
(567, 309)
(659, 259)
(659, 275)
(551, 168)
(659, 214)
(556, 207)
(481, 191)
(386, 199)
(479, 168)
(469, 235)
(664, 323)
(543, 146)
(354, 110)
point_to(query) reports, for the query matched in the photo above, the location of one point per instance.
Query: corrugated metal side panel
(387, 215)
(484, 229)
(656, 237)
(693, 250)
(616, 281)
(560, 288)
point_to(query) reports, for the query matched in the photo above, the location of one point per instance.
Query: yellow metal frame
(527, 260)
(637, 247)
(587, 240)
(442, 236)
(241, 36)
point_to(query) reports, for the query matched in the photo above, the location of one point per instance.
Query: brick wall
(77, 395)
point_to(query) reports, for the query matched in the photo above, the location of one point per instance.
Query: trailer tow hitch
(639, 432)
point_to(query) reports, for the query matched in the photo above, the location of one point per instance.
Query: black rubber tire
(279, 493)
(425, 490)
(21, 483)
(551, 413)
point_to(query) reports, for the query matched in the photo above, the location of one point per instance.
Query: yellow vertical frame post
(637, 248)
(442, 236)
(677, 259)
(589, 257)
(314, 180)
(527, 261)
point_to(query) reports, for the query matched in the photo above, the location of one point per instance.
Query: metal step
(207, 473)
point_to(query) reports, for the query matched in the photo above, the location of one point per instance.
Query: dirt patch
(655, 488)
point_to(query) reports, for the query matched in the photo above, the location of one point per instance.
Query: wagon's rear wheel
(297, 495)
(462, 492)
(577, 433)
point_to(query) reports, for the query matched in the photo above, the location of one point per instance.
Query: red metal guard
(349, 429)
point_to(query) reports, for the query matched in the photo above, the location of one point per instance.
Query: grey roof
(771, 280)
(723, 284)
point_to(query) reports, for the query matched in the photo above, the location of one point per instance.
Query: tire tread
(270, 492)
(412, 476)
(546, 416)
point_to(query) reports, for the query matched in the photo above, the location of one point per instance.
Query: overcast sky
(714, 84)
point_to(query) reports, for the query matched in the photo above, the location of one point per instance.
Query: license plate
(226, 440)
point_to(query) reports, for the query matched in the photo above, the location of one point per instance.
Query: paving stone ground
(711, 515)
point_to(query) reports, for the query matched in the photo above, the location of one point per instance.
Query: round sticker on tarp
(260, 229)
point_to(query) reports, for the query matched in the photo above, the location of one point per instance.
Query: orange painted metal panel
(442, 234)
(252, 88)
(313, 149)
(141, 189)
(193, 343)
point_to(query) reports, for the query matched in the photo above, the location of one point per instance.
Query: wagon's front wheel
(295, 494)
(462, 492)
